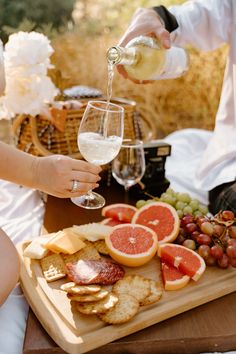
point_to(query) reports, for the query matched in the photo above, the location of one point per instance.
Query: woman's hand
(55, 175)
(145, 22)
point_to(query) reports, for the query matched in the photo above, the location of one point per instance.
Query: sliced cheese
(36, 249)
(92, 231)
(65, 241)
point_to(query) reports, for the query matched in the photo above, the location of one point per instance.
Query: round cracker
(101, 306)
(155, 294)
(73, 288)
(135, 285)
(125, 309)
(89, 298)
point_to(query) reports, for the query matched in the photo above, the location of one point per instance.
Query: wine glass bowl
(99, 140)
(129, 165)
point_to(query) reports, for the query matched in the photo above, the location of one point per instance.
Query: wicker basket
(38, 136)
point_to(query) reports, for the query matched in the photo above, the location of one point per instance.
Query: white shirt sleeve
(205, 24)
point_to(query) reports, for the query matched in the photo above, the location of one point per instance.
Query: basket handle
(42, 150)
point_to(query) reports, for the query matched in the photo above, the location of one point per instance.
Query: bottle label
(176, 63)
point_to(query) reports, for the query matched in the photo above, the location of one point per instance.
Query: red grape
(232, 231)
(216, 251)
(218, 229)
(180, 239)
(227, 215)
(186, 219)
(189, 244)
(190, 227)
(204, 251)
(203, 239)
(223, 262)
(231, 242)
(231, 251)
(207, 228)
(194, 235)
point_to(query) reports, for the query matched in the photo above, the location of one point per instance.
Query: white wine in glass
(129, 165)
(99, 140)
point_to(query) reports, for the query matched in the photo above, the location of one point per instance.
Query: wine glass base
(89, 201)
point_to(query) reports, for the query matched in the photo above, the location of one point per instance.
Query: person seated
(10, 266)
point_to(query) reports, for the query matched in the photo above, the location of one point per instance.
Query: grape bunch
(214, 238)
(182, 202)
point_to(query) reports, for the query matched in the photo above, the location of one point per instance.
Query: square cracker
(53, 267)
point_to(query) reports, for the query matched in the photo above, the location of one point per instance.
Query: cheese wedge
(92, 231)
(65, 241)
(36, 249)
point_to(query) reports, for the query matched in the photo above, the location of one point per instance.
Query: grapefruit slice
(110, 222)
(161, 218)
(121, 212)
(186, 260)
(173, 278)
(131, 245)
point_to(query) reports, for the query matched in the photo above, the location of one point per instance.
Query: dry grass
(190, 101)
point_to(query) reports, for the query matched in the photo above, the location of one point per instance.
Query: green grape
(168, 199)
(149, 201)
(184, 197)
(180, 205)
(197, 213)
(188, 210)
(180, 213)
(203, 209)
(194, 204)
(140, 203)
(170, 191)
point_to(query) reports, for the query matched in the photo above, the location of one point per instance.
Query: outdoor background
(82, 30)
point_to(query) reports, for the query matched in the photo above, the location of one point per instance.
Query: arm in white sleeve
(205, 24)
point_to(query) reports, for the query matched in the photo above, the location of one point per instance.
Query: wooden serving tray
(76, 333)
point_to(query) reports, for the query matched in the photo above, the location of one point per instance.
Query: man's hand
(145, 22)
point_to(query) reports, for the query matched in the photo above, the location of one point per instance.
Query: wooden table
(207, 328)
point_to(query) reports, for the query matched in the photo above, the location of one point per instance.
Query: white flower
(27, 49)
(28, 88)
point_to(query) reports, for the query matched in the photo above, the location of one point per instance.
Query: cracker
(98, 306)
(155, 294)
(87, 253)
(135, 285)
(73, 288)
(53, 267)
(125, 309)
(101, 247)
(88, 298)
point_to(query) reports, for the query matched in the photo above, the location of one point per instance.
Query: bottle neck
(123, 56)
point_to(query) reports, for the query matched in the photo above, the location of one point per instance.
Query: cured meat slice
(94, 272)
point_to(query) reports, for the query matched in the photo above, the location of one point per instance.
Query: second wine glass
(99, 140)
(129, 166)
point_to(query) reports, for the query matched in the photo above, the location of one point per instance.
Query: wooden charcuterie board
(76, 333)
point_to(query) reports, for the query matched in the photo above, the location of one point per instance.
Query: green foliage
(37, 15)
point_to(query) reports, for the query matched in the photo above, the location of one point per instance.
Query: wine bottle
(144, 59)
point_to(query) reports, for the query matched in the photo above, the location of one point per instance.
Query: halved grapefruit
(131, 245)
(186, 260)
(173, 278)
(161, 218)
(110, 222)
(121, 211)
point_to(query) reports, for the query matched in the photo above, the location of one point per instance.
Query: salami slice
(94, 272)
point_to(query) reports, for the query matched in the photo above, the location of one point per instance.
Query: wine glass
(99, 140)
(129, 165)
